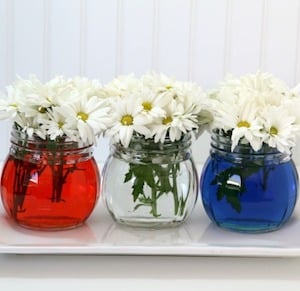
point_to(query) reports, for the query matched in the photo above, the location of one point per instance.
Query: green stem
(58, 183)
(57, 179)
(265, 177)
(154, 202)
(175, 190)
(21, 181)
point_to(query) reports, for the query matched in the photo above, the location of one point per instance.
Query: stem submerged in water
(160, 179)
(175, 191)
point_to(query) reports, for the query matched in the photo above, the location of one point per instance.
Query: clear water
(262, 199)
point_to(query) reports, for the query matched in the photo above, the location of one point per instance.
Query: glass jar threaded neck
(146, 150)
(34, 149)
(221, 145)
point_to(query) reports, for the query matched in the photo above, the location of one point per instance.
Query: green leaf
(138, 206)
(148, 177)
(143, 173)
(232, 198)
(220, 193)
(161, 179)
(163, 174)
(232, 192)
(232, 195)
(138, 188)
(128, 176)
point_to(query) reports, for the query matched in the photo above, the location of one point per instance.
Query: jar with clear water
(150, 184)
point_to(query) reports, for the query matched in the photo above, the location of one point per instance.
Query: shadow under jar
(150, 184)
(248, 191)
(49, 185)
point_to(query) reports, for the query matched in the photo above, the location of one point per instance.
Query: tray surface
(100, 235)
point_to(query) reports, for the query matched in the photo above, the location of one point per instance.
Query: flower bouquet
(50, 179)
(249, 182)
(150, 177)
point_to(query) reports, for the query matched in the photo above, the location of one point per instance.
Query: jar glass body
(248, 191)
(49, 185)
(150, 184)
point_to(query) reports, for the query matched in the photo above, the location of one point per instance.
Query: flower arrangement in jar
(150, 178)
(250, 183)
(50, 179)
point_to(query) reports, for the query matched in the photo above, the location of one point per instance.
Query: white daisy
(122, 85)
(161, 84)
(125, 121)
(247, 126)
(90, 87)
(56, 125)
(279, 128)
(89, 116)
(255, 109)
(151, 105)
(162, 105)
(176, 122)
(29, 125)
(9, 107)
(75, 109)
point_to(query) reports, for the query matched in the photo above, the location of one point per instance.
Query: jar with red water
(49, 185)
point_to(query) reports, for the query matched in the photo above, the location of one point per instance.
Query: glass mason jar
(150, 184)
(248, 191)
(49, 185)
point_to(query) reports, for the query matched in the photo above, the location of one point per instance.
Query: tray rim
(195, 249)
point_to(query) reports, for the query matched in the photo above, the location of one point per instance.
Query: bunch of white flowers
(155, 106)
(257, 109)
(70, 109)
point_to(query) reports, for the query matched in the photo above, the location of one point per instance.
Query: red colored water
(49, 197)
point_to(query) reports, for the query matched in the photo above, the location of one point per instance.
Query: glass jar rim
(139, 143)
(222, 141)
(21, 138)
(221, 145)
(141, 150)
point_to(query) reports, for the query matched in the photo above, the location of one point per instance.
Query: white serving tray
(196, 237)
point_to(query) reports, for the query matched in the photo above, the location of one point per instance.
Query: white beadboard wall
(197, 40)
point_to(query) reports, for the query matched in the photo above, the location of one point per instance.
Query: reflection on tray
(197, 236)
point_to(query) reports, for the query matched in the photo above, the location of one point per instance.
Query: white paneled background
(197, 40)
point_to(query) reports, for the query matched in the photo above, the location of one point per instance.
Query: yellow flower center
(42, 109)
(167, 120)
(243, 123)
(127, 120)
(168, 87)
(273, 130)
(83, 116)
(147, 106)
(60, 124)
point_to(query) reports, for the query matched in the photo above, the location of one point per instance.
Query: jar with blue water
(245, 190)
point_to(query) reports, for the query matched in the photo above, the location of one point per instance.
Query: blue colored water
(248, 198)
